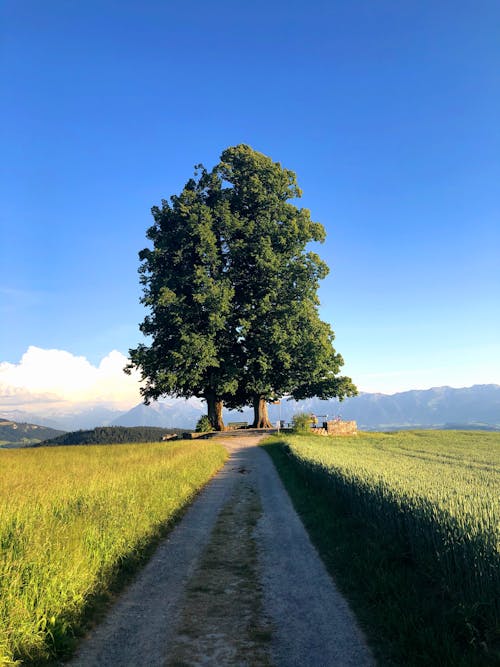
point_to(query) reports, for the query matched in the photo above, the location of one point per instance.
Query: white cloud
(56, 376)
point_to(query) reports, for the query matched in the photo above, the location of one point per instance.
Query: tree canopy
(232, 293)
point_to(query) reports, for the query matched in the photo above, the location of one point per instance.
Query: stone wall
(336, 428)
(341, 427)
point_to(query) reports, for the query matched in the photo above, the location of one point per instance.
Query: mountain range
(477, 406)
(471, 407)
(172, 413)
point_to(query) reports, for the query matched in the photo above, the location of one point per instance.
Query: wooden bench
(232, 425)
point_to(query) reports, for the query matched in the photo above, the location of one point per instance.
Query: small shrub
(302, 422)
(204, 425)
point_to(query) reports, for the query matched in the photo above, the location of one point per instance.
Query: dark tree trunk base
(261, 418)
(214, 407)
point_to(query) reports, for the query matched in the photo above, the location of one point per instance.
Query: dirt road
(237, 583)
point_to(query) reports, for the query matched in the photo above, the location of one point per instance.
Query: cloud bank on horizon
(57, 378)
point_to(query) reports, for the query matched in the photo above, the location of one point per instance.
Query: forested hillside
(107, 435)
(23, 433)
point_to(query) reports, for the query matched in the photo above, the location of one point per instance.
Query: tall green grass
(427, 503)
(72, 520)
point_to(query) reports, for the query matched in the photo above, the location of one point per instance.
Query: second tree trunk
(261, 418)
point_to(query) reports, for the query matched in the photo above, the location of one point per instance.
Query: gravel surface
(189, 606)
(313, 623)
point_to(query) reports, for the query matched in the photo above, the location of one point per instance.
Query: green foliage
(424, 507)
(73, 521)
(204, 425)
(301, 422)
(232, 291)
(189, 297)
(284, 347)
(111, 435)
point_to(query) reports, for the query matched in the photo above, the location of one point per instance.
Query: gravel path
(236, 583)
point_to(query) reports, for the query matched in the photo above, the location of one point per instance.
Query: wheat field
(434, 496)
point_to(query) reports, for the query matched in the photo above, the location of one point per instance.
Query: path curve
(312, 625)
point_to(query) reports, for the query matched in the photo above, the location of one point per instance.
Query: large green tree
(284, 347)
(189, 297)
(232, 293)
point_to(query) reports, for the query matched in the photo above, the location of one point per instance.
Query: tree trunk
(261, 418)
(214, 407)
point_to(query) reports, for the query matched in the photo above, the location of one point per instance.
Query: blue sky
(387, 111)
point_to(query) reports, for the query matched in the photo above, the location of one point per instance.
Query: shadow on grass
(408, 617)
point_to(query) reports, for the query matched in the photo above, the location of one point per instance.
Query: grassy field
(74, 523)
(408, 523)
(8, 444)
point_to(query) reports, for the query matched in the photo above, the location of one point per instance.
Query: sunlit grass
(72, 519)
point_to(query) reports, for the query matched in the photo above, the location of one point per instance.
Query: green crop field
(418, 516)
(73, 520)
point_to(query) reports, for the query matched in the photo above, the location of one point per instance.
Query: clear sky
(388, 112)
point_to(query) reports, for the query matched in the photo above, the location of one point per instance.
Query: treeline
(109, 435)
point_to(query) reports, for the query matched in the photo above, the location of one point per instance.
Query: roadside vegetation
(74, 524)
(408, 525)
